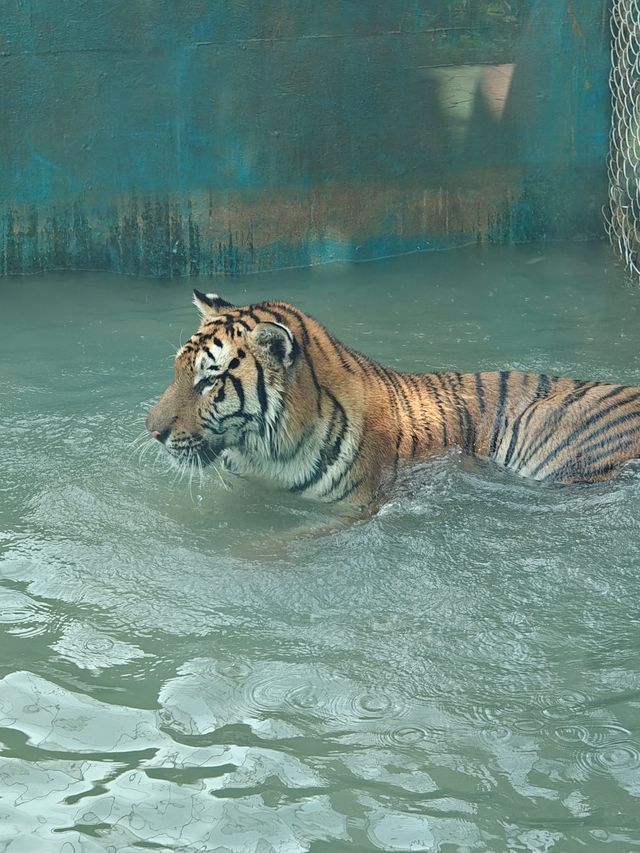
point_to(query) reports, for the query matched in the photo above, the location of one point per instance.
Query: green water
(459, 673)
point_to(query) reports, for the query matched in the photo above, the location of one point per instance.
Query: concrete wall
(189, 137)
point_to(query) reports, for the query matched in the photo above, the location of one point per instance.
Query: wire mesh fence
(623, 220)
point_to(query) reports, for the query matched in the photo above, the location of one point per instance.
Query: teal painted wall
(208, 137)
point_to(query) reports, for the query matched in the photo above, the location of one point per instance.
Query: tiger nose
(158, 423)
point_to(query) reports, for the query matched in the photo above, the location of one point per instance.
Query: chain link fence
(623, 220)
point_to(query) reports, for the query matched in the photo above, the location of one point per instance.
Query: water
(459, 673)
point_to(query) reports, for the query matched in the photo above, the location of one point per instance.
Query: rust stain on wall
(575, 26)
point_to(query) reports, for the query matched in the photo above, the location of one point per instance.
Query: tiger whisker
(192, 464)
(141, 450)
(138, 442)
(200, 472)
(216, 468)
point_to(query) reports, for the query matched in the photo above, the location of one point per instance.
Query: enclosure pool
(460, 672)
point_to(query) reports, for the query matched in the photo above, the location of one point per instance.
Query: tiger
(267, 391)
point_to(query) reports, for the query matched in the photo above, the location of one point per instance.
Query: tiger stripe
(498, 421)
(582, 427)
(479, 391)
(429, 381)
(547, 431)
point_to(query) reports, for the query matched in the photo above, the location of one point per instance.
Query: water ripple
(22, 615)
(563, 704)
(609, 759)
(406, 735)
(272, 692)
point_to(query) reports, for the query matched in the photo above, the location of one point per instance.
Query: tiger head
(230, 386)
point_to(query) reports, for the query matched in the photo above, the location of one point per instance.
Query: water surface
(459, 673)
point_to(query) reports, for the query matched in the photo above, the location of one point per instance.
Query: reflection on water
(458, 673)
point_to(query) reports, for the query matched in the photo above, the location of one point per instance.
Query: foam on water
(460, 672)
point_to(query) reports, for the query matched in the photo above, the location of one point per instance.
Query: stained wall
(188, 138)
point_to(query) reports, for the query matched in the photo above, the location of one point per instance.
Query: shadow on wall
(148, 141)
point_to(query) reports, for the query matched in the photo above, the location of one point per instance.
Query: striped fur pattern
(268, 391)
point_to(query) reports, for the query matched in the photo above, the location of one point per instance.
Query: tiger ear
(209, 303)
(275, 342)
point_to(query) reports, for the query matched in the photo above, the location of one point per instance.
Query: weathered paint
(213, 137)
